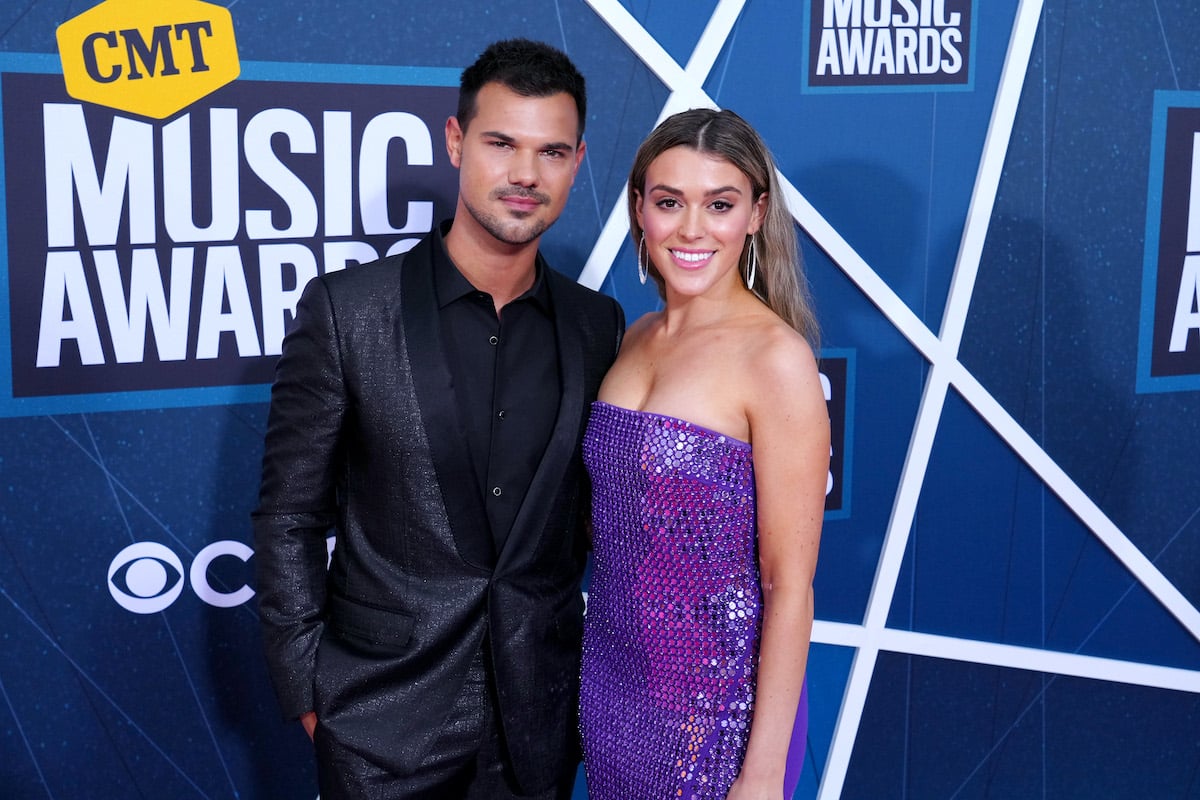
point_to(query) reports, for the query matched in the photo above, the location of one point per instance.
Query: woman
(708, 450)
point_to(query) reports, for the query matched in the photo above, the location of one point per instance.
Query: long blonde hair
(780, 279)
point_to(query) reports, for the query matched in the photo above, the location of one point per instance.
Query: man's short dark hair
(531, 69)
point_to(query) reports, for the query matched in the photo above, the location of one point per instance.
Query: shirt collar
(452, 285)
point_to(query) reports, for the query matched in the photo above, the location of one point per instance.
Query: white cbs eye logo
(139, 577)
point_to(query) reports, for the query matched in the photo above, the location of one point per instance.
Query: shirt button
(493, 340)
(496, 491)
(500, 414)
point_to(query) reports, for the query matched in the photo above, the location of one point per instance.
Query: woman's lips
(691, 259)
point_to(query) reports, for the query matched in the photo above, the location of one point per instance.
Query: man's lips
(522, 201)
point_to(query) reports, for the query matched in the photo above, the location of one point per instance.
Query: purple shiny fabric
(671, 636)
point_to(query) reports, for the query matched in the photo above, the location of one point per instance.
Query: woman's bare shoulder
(781, 364)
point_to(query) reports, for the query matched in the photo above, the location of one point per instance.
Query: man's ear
(579, 151)
(454, 141)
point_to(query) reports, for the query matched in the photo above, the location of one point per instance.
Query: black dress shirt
(506, 383)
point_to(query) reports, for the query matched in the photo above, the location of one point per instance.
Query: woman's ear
(760, 213)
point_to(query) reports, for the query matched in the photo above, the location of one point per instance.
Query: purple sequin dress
(670, 646)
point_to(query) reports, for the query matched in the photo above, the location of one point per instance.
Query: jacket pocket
(383, 631)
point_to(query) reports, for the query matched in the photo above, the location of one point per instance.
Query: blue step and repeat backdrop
(1000, 209)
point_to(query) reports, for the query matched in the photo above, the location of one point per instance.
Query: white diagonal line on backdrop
(942, 353)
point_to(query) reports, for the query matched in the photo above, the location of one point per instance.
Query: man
(429, 409)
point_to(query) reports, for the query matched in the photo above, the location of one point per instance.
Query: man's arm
(297, 501)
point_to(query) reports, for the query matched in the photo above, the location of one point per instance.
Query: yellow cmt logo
(146, 57)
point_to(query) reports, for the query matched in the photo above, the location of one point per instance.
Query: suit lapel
(439, 411)
(553, 469)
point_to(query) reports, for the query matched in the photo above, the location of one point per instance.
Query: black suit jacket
(364, 438)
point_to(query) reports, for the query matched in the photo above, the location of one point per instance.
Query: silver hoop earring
(641, 256)
(751, 266)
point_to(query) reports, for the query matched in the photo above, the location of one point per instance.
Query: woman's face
(696, 210)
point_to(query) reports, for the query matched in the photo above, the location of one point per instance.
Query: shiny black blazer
(364, 440)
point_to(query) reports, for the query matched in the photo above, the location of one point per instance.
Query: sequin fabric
(672, 626)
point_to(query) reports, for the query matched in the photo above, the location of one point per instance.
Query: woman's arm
(789, 427)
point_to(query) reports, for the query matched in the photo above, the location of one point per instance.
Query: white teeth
(694, 257)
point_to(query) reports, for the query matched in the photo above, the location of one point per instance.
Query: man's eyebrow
(504, 137)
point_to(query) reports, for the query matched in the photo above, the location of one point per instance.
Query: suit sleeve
(298, 497)
(620, 325)
(612, 345)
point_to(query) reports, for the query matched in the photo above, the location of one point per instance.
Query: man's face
(517, 160)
